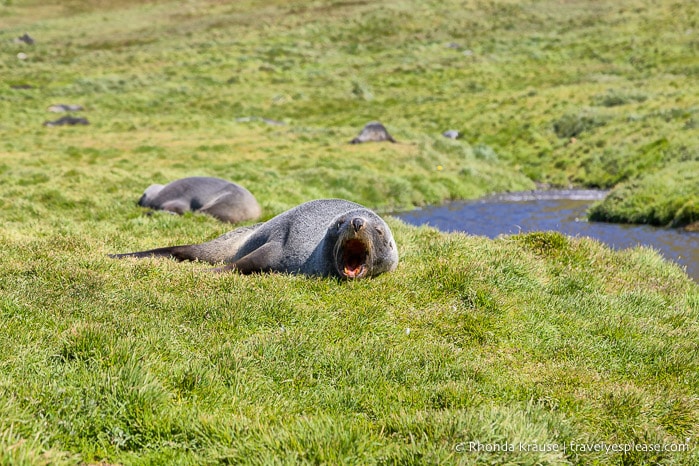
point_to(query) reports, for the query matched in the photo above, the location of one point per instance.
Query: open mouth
(354, 258)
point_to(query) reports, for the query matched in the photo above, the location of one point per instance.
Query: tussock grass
(541, 338)
(533, 338)
(663, 198)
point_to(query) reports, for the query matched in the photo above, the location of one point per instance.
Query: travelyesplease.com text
(476, 446)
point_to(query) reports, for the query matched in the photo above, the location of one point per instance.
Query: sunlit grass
(538, 338)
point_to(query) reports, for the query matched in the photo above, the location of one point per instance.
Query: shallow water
(563, 211)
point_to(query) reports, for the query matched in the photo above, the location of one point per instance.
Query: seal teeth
(354, 258)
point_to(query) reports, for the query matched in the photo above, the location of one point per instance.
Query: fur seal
(325, 237)
(25, 38)
(373, 131)
(219, 198)
(59, 108)
(67, 120)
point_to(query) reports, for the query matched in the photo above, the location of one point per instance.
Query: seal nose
(357, 223)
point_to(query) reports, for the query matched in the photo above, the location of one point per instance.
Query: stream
(555, 210)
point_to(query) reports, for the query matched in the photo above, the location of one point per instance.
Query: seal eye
(379, 231)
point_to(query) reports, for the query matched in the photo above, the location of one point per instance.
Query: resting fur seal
(59, 108)
(26, 38)
(67, 120)
(373, 131)
(325, 237)
(219, 198)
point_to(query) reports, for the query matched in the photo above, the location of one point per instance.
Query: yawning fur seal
(325, 237)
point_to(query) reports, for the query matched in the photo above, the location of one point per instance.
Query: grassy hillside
(539, 339)
(553, 92)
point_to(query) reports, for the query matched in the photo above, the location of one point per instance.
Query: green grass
(536, 338)
(519, 79)
(540, 338)
(663, 198)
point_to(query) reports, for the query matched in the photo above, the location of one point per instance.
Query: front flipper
(266, 258)
(176, 206)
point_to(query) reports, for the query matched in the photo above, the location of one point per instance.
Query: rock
(374, 132)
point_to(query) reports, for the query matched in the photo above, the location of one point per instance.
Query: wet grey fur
(373, 132)
(302, 240)
(219, 198)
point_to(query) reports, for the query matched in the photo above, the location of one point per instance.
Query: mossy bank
(665, 197)
(540, 339)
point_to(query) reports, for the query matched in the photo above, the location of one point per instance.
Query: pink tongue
(352, 272)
